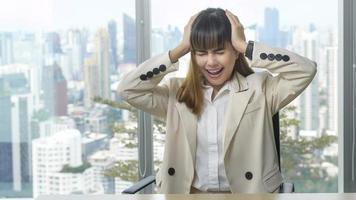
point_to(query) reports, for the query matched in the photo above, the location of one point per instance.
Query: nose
(211, 60)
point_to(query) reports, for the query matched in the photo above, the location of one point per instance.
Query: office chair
(284, 187)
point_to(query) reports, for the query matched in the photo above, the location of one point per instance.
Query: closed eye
(201, 53)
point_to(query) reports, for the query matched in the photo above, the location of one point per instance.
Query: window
(54, 63)
(309, 132)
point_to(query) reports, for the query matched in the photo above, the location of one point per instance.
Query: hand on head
(187, 30)
(238, 39)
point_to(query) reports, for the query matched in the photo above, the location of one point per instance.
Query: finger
(232, 21)
(234, 18)
(192, 18)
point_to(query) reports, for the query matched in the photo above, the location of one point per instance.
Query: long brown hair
(210, 30)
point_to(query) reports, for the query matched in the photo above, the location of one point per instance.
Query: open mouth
(215, 72)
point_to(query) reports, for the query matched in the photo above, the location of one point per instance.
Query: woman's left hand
(238, 39)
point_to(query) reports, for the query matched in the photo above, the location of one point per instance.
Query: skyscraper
(54, 88)
(112, 29)
(97, 69)
(269, 34)
(331, 84)
(307, 45)
(15, 147)
(129, 39)
(72, 58)
(60, 88)
(6, 48)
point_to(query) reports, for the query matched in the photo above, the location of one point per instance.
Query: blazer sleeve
(141, 87)
(294, 74)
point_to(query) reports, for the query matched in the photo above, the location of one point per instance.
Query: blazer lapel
(235, 109)
(189, 122)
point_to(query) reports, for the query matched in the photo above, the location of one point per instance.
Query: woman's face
(216, 64)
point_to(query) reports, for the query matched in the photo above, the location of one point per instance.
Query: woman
(219, 118)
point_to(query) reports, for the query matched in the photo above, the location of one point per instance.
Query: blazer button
(143, 77)
(248, 175)
(263, 56)
(155, 71)
(278, 57)
(171, 171)
(285, 58)
(270, 57)
(162, 68)
(149, 74)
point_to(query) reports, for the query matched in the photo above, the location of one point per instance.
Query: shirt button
(155, 70)
(263, 56)
(171, 171)
(270, 57)
(143, 77)
(162, 68)
(285, 58)
(278, 57)
(248, 175)
(149, 74)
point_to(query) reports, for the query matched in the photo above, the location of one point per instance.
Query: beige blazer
(250, 154)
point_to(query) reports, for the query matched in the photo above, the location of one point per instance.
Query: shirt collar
(208, 90)
(237, 83)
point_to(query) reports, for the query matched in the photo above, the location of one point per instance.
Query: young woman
(219, 118)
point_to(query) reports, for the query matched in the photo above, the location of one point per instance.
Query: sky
(63, 14)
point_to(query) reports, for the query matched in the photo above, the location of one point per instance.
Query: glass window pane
(308, 124)
(63, 129)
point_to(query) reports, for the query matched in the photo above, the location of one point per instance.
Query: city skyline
(84, 57)
(53, 15)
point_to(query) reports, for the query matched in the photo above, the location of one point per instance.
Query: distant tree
(125, 170)
(301, 157)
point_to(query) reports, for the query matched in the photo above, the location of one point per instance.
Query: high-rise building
(50, 156)
(27, 52)
(112, 29)
(157, 42)
(60, 88)
(101, 161)
(15, 148)
(53, 43)
(163, 40)
(72, 58)
(331, 85)
(54, 88)
(6, 49)
(26, 48)
(47, 127)
(270, 31)
(306, 44)
(129, 39)
(97, 69)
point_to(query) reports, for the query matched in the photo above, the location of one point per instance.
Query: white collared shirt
(210, 172)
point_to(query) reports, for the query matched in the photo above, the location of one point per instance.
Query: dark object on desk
(284, 188)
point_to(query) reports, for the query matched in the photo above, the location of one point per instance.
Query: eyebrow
(204, 50)
(219, 49)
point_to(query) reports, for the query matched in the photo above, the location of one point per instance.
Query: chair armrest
(140, 185)
(286, 188)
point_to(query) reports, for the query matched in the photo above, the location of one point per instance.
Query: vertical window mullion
(349, 122)
(143, 49)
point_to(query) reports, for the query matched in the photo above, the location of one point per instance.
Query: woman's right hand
(187, 30)
(184, 46)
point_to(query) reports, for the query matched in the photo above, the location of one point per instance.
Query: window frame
(346, 63)
(347, 78)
